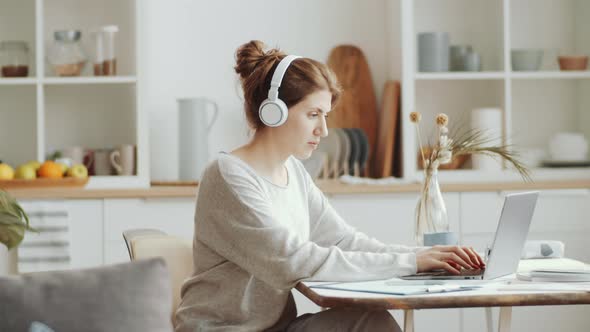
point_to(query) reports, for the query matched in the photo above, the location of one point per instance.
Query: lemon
(36, 164)
(6, 172)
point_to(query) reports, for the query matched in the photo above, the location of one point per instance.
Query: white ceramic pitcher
(193, 136)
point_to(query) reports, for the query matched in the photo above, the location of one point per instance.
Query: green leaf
(12, 235)
(13, 221)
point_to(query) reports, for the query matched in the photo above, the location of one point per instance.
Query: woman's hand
(450, 258)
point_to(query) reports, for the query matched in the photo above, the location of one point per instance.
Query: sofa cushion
(133, 296)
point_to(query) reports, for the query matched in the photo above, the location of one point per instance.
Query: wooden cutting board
(386, 134)
(357, 107)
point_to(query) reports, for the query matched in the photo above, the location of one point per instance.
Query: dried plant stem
(421, 148)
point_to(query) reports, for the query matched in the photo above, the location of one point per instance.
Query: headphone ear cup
(273, 113)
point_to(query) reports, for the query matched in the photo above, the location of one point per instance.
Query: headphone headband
(277, 76)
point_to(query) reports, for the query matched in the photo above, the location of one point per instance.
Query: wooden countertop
(330, 187)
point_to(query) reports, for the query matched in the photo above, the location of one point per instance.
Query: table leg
(505, 319)
(409, 320)
(489, 320)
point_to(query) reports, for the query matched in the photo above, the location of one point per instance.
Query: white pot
(8, 261)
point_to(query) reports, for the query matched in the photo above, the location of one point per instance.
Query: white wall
(188, 50)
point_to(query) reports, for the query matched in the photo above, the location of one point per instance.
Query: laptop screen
(511, 234)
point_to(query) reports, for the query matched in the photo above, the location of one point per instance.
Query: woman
(261, 225)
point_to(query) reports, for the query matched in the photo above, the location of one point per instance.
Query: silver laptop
(505, 252)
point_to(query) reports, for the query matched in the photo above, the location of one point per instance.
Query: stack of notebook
(556, 275)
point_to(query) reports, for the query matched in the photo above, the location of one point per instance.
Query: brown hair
(303, 77)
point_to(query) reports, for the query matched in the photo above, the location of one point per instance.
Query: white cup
(75, 153)
(123, 159)
(78, 155)
(441, 238)
(568, 146)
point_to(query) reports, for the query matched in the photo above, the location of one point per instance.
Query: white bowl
(568, 146)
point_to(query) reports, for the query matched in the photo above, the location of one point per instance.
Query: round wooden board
(357, 107)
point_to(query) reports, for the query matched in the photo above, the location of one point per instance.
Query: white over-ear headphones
(273, 112)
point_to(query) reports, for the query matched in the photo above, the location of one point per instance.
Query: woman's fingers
(461, 253)
(466, 257)
(451, 256)
(455, 265)
(448, 267)
(472, 257)
(474, 254)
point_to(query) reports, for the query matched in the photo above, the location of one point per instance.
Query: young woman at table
(262, 226)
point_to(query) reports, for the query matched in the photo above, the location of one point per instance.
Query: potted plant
(13, 224)
(431, 213)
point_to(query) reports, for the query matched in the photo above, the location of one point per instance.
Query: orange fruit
(50, 169)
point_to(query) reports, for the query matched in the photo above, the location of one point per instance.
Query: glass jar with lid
(66, 54)
(14, 58)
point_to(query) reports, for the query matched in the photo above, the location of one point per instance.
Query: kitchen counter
(327, 186)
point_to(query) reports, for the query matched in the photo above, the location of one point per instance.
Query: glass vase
(431, 211)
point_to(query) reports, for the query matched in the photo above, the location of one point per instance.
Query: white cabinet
(96, 228)
(86, 232)
(174, 216)
(70, 235)
(44, 113)
(388, 217)
(535, 105)
(559, 215)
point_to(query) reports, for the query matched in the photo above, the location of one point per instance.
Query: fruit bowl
(70, 182)
(573, 62)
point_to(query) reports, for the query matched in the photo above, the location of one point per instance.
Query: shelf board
(537, 174)
(18, 81)
(89, 80)
(115, 181)
(486, 75)
(551, 74)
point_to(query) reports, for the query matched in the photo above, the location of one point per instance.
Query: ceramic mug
(441, 238)
(78, 155)
(433, 51)
(457, 53)
(102, 162)
(123, 159)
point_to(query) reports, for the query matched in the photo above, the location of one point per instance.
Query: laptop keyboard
(464, 272)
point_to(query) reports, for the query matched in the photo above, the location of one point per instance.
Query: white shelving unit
(536, 105)
(87, 111)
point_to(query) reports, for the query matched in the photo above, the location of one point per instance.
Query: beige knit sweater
(255, 240)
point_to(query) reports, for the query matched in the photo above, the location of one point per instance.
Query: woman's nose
(322, 130)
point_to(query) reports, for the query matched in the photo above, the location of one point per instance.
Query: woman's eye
(314, 114)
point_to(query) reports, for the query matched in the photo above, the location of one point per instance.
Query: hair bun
(250, 55)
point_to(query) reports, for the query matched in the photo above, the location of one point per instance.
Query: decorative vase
(431, 212)
(8, 261)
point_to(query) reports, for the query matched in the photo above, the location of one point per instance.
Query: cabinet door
(388, 217)
(70, 235)
(559, 215)
(86, 227)
(172, 215)
(480, 212)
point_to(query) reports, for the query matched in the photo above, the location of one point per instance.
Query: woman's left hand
(450, 258)
(468, 254)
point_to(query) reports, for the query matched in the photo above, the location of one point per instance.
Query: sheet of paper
(406, 287)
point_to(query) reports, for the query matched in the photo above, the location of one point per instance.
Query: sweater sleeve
(236, 221)
(328, 228)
